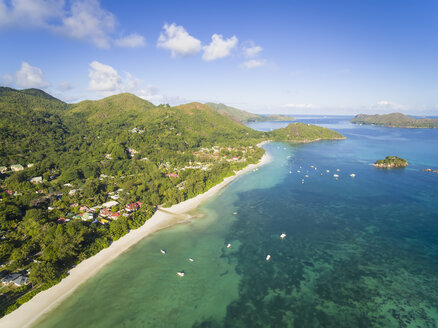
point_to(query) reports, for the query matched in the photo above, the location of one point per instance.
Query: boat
(298, 171)
(162, 251)
(352, 175)
(336, 176)
(328, 171)
(191, 260)
(235, 213)
(306, 176)
(290, 172)
(268, 257)
(338, 170)
(283, 235)
(180, 273)
(228, 245)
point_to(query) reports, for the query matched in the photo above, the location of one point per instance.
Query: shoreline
(42, 303)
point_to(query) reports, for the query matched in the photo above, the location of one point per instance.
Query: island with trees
(395, 120)
(390, 162)
(76, 177)
(303, 133)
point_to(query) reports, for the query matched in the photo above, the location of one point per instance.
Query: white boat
(338, 170)
(298, 171)
(228, 245)
(283, 235)
(290, 172)
(162, 251)
(235, 213)
(191, 260)
(180, 273)
(306, 176)
(352, 175)
(268, 257)
(336, 176)
(328, 171)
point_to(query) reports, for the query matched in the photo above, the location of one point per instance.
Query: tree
(43, 272)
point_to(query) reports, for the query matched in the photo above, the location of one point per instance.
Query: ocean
(359, 251)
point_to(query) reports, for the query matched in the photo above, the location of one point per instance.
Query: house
(172, 175)
(133, 207)
(110, 204)
(36, 180)
(83, 208)
(3, 169)
(20, 281)
(62, 220)
(105, 212)
(9, 192)
(87, 216)
(115, 215)
(30, 165)
(104, 221)
(17, 167)
(10, 277)
(72, 192)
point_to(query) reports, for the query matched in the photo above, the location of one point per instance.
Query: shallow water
(359, 252)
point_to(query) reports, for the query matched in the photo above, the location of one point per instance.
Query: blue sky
(295, 57)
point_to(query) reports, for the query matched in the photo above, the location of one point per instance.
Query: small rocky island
(391, 162)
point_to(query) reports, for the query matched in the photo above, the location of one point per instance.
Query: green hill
(242, 116)
(395, 120)
(30, 124)
(301, 132)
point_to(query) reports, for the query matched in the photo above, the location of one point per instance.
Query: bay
(359, 252)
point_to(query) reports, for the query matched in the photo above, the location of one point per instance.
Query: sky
(292, 57)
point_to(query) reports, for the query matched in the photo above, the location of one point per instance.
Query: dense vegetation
(391, 162)
(301, 132)
(75, 177)
(395, 120)
(242, 116)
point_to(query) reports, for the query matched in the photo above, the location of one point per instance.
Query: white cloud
(26, 77)
(252, 51)
(7, 79)
(219, 47)
(388, 105)
(64, 86)
(106, 81)
(83, 20)
(29, 13)
(131, 41)
(301, 106)
(104, 78)
(176, 39)
(253, 63)
(88, 21)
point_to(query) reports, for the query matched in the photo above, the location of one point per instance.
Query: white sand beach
(45, 301)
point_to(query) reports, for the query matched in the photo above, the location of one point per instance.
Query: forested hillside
(301, 132)
(242, 116)
(398, 120)
(75, 177)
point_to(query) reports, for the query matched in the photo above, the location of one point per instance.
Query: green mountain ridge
(242, 116)
(395, 120)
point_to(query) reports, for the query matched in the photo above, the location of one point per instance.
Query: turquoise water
(359, 252)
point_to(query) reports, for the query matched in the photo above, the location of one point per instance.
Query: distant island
(242, 116)
(391, 162)
(74, 178)
(396, 120)
(303, 133)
